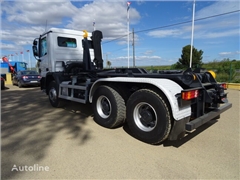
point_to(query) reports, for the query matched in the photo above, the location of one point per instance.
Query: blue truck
(18, 66)
(12, 67)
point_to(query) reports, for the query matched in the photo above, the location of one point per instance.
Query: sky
(161, 28)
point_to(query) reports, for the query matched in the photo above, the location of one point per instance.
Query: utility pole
(133, 44)
(128, 6)
(94, 22)
(106, 59)
(190, 63)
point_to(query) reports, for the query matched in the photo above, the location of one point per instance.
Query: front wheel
(148, 116)
(20, 84)
(53, 95)
(108, 107)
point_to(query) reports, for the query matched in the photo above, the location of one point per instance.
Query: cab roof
(67, 31)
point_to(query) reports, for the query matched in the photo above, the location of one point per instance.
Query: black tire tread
(121, 109)
(61, 102)
(121, 115)
(168, 124)
(20, 84)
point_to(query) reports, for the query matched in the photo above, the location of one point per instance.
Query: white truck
(155, 106)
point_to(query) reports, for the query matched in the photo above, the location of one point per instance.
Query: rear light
(224, 85)
(187, 95)
(39, 77)
(25, 77)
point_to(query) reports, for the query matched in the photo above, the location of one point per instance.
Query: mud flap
(178, 130)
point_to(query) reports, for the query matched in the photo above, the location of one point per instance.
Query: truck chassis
(155, 106)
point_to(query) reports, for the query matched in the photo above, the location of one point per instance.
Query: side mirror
(35, 42)
(35, 50)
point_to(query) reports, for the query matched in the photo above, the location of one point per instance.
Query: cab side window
(67, 42)
(43, 49)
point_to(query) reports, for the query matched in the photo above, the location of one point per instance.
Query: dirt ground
(67, 144)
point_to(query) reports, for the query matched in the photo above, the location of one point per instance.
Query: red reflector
(224, 85)
(187, 95)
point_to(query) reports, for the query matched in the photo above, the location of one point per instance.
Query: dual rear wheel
(146, 113)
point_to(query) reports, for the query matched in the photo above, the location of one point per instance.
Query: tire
(148, 116)
(108, 107)
(53, 95)
(20, 84)
(3, 86)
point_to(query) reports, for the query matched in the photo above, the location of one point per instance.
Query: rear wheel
(148, 116)
(109, 107)
(53, 95)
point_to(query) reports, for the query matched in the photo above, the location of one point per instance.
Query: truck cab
(57, 48)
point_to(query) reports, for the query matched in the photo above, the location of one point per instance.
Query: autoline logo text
(33, 168)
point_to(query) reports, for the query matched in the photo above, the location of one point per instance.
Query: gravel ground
(50, 143)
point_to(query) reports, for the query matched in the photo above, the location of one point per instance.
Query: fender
(168, 87)
(54, 75)
(50, 76)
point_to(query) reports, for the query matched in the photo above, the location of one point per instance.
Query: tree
(109, 64)
(184, 61)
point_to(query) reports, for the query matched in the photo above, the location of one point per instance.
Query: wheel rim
(145, 117)
(104, 107)
(53, 95)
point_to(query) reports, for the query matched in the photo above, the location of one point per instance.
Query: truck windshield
(43, 49)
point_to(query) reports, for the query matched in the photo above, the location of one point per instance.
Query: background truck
(155, 106)
(11, 67)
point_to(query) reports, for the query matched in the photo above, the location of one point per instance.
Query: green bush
(236, 80)
(223, 69)
(222, 77)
